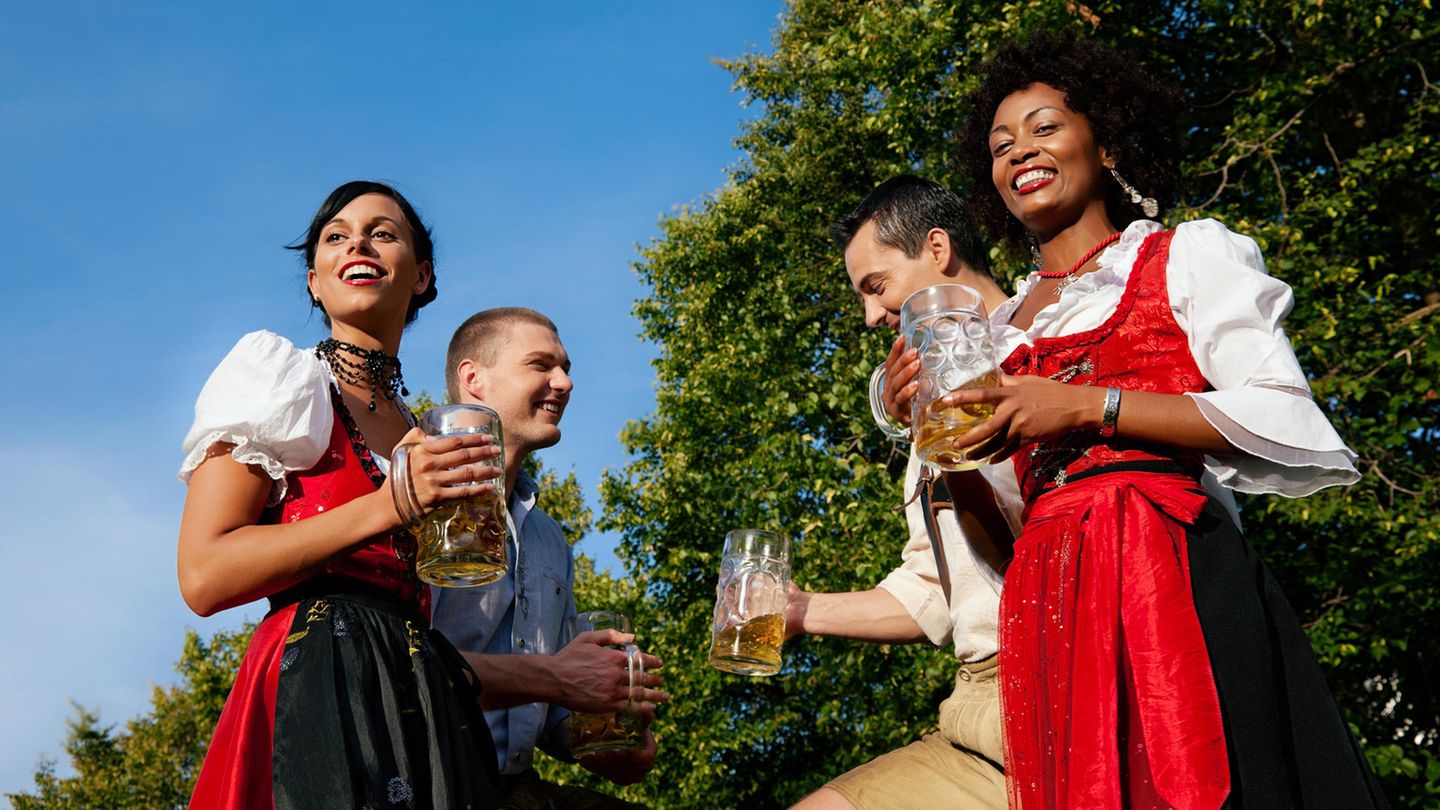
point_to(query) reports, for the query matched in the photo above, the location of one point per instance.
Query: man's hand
(591, 677)
(901, 367)
(623, 767)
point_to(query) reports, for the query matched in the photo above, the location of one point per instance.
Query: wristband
(1111, 414)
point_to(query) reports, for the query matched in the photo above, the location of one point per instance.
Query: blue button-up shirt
(528, 611)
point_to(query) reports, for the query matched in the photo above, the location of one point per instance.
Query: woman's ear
(1108, 158)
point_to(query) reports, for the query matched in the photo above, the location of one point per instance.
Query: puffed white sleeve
(1232, 310)
(271, 401)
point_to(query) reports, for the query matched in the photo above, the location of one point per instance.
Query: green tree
(1311, 130)
(153, 762)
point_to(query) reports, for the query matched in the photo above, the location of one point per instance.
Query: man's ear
(939, 250)
(471, 377)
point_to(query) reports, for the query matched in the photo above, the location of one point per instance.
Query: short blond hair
(479, 339)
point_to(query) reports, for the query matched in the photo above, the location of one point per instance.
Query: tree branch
(1394, 487)
(1423, 312)
(1279, 184)
(1339, 172)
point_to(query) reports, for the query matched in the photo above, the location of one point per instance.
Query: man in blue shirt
(514, 631)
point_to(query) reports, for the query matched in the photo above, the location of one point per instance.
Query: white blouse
(272, 401)
(1231, 311)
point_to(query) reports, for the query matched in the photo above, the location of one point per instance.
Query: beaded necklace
(374, 367)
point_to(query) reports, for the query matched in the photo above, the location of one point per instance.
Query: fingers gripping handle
(633, 663)
(402, 486)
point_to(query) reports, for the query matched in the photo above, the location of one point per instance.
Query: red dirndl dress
(346, 697)
(1147, 657)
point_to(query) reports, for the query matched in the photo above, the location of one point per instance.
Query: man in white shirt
(905, 235)
(513, 631)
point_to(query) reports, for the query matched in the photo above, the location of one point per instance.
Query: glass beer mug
(462, 543)
(947, 325)
(749, 624)
(609, 731)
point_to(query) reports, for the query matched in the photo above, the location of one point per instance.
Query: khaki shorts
(958, 766)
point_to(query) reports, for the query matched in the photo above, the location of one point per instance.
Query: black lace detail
(357, 439)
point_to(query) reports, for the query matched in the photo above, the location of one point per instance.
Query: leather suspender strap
(935, 496)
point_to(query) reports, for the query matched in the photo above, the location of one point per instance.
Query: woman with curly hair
(1148, 657)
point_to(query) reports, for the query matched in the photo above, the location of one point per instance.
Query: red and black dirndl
(346, 697)
(1147, 656)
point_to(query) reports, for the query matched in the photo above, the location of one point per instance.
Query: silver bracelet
(1111, 415)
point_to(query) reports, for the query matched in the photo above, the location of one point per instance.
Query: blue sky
(153, 159)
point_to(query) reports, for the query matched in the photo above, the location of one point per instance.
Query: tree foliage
(1311, 129)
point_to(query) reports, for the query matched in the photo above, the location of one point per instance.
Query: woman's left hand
(1027, 410)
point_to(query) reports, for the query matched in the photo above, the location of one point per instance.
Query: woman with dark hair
(345, 697)
(1148, 657)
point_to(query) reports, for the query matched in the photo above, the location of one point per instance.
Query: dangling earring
(1148, 205)
(1034, 251)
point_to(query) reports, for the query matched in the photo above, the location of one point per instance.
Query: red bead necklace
(1069, 275)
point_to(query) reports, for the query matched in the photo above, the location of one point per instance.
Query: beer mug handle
(402, 487)
(883, 420)
(633, 662)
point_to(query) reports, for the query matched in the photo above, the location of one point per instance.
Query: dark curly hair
(1130, 111)
(343, 196)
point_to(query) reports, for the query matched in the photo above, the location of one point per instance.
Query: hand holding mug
(427, 471)
(595, 672)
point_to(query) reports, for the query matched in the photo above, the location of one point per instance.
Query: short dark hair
(343, 196)
(905, 209)
(479, 339)
(1130, 111)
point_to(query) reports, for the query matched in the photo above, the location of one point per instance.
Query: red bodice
(1138, 348)
(384, 563)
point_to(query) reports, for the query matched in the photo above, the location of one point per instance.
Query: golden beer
(752, 648)
(940, 424)
(462, 544)
(612, 731)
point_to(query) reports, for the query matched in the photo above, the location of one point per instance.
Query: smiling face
(529, 386)
(365, 271)
(884, 276)
(1044, 160)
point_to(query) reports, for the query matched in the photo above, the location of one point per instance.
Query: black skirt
(378, 710)
(1288, 744)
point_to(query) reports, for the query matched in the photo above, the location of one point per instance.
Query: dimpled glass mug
(609, 731)
(749, 623)
(947, 326)
(462, 543)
